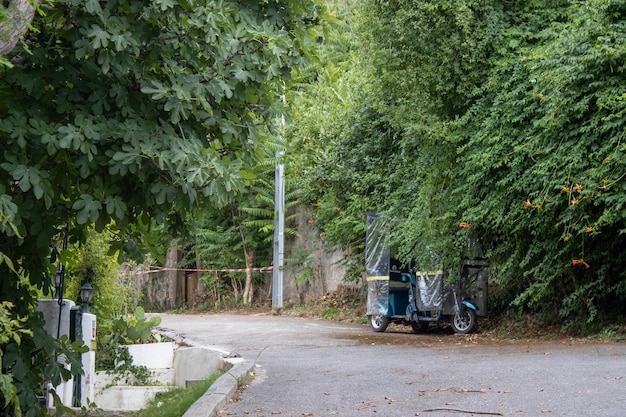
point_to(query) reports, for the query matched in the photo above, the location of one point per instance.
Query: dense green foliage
(508, 116)
(239, 236)
(122, 114)
(547, 164)
(115, 334)
(92, 263)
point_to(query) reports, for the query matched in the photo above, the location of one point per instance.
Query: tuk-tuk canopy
(384, 273)
(377, 247)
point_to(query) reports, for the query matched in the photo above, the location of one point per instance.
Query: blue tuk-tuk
(405, 294)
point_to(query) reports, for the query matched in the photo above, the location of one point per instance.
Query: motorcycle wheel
(464, 324)
(379, 322)
(420, 327)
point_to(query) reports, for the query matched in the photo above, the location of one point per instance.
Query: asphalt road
(321, 368)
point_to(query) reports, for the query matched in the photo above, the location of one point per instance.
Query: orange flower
(566, 238)
(565, 189)
(578, 188)
(580, 262)
(538, 206)
(527, 204)
(589, 229)
(575, 201)
(465, 225)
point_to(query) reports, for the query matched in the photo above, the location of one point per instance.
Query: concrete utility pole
(279, 232)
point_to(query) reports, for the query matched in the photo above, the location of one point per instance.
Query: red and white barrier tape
(151, 271)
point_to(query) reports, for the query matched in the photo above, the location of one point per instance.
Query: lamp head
(57, 281)
(86, 295)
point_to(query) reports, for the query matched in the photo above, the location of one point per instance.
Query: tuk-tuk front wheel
(466, 323)
(379, 322)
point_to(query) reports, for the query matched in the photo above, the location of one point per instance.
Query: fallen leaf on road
(547, 353)
(546, 411)
(307, 414)
(619, 377)
(482, 390)
(390, 399)
(276, 412)
(364, 404)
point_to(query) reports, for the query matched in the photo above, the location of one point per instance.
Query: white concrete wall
(57, 323)
(153, 355)
(195, 364)
(185, 365)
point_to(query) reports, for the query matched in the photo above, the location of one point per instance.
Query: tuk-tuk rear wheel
(379, 322)
(464, 324)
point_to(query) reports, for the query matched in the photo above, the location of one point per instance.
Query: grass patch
(175, 402)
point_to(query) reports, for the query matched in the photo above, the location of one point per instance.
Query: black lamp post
(86, 296)
(57, 282)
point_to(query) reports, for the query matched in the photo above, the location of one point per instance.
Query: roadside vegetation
(176, 401)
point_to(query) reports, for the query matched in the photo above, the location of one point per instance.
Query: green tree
(547, 166)
(337, 140)
(93, 263)
(240, 235)
(226, 240)
(123, 113)
(505, 115)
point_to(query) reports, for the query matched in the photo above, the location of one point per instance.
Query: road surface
(322, 368)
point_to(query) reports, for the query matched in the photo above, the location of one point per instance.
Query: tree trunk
(248, 292)
(20, 14)
(171, 295)
(216, 288)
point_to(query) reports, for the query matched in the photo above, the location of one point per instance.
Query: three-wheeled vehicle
(408, 295)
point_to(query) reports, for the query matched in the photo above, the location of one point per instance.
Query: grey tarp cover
(377, 258)
(377, 262)
(430, 290)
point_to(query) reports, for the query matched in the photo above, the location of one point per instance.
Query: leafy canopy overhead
(123, 113)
